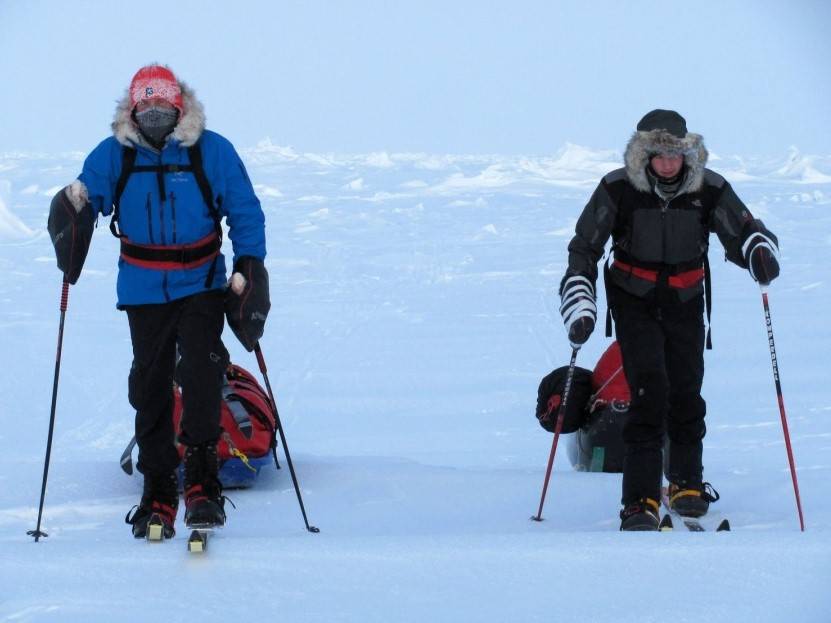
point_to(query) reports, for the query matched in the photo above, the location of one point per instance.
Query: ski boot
(204, 502)
(640, 515)
(155, 515)
(691, 500)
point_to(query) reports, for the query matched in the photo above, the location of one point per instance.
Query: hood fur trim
(644, 144)
(187, 131)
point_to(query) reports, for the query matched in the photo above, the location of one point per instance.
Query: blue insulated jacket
(182, 217)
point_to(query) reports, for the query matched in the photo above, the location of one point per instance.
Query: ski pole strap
(171, 257)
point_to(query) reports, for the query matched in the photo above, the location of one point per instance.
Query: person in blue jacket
(168, 182)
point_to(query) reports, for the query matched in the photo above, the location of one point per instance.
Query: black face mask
(156, 123)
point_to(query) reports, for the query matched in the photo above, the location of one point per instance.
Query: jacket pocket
(647, 235)
(684, 233)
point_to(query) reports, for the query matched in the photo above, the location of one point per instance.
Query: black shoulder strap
(128, 162)
(708, 299)
(195, 155)
(606, 286)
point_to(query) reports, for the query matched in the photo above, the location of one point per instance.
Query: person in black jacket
(659, 211)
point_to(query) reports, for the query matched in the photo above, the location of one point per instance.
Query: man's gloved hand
(578, 308)
(760, 250)
(70, 225)
(247, 302)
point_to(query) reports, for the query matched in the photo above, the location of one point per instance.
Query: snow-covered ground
(413, 317)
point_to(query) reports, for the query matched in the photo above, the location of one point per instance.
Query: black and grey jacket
(660, 239)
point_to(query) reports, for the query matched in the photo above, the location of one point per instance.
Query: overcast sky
(436, 76)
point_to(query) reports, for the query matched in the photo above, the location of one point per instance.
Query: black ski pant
(194, 325)
(663, 359)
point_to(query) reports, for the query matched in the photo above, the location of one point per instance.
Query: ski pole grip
(64, 295)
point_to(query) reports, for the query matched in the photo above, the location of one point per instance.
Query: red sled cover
(247, 418)
(608, 380)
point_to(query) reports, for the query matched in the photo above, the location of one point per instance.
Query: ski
(199, 536)
(693, 524)
(198, 540)
(155, 529)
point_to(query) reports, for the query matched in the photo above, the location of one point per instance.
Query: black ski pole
(261, 363)
(781, 401)
(37, 532)
(560, 416)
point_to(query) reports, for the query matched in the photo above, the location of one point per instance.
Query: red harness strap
(683, 280)
(171, 257)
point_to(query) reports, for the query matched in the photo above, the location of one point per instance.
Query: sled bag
(247, 418)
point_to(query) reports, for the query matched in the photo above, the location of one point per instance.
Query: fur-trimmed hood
(187, 131)
(642, 145)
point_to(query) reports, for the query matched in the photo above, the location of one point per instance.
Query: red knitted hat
(155, 81)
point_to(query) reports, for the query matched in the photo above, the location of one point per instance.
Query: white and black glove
(578, 308)
(760, 250)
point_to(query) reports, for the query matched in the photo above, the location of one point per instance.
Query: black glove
(578, 308)
(760, 249)
(71, 231)
(550, 395)
(247, 301)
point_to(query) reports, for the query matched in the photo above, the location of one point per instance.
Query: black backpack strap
(606, 286)
(195, 156)
(128, 162)
(708, 300)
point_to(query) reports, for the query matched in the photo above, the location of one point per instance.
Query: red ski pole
(557, 428)
(781, 404)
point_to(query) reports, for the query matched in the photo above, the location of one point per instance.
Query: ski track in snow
(413, 315)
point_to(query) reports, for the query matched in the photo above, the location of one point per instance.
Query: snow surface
(414, 313)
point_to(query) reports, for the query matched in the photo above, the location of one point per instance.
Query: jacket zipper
(161, 228)
(162, 198)
(149, 219)
(161, 222)
(173, 214)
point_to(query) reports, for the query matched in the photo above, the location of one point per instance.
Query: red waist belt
(171, 257)
(686, 279)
